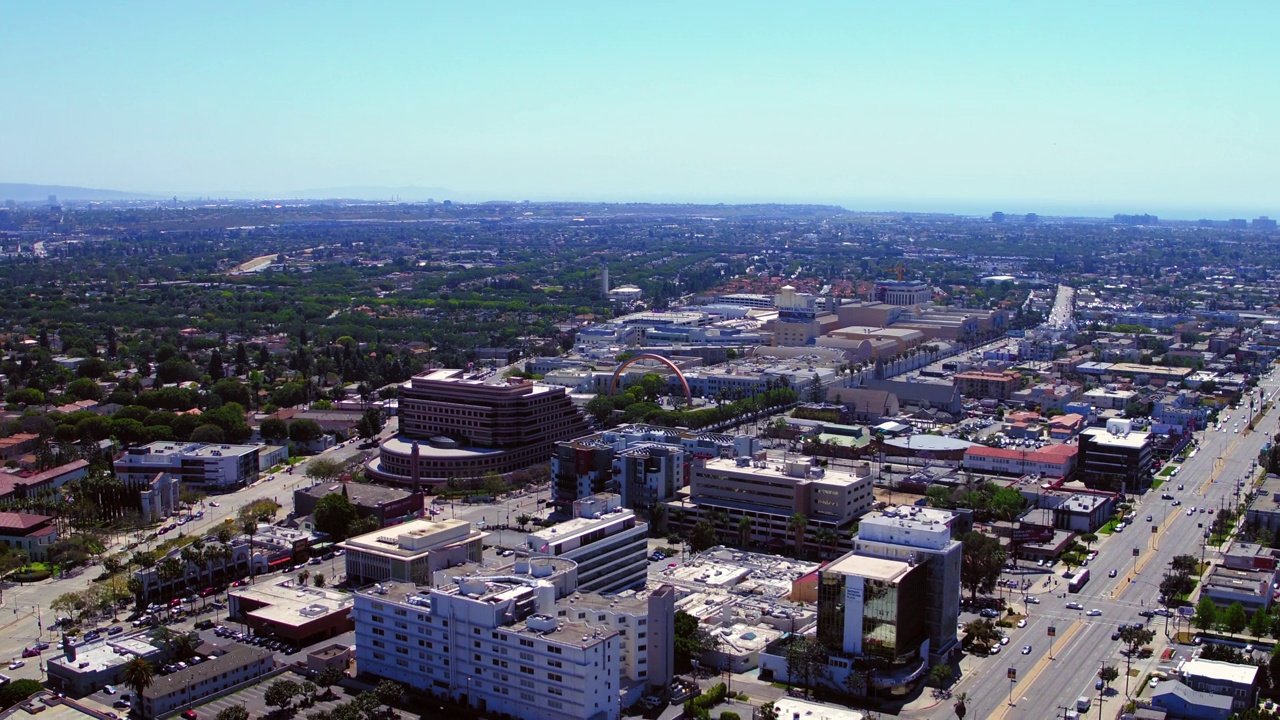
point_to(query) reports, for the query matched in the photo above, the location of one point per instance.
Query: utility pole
(1101, 700)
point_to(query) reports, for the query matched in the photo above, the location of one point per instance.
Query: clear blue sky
(1165, 107)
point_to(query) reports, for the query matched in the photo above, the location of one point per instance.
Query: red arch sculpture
(613, 384)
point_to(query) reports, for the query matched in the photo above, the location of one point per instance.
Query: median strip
(1038, 668)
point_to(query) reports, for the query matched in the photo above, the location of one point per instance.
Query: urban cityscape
(837, 362)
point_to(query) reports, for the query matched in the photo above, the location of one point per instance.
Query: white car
(17, 664)
(1094, 612)
(109, 689)
(1022, 623)
(1004, 639)
(1154, 682)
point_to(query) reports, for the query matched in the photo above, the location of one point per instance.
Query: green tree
(84, 389)
(281, 693)
(940, 497)
(1234, 619)
(304, 431)
(208, 433)
(1206, 615)
(15, 692)
(274, 430)
(324, 469)
(981, 632)
(691, 640)
(318, 580)
(138, 674)
(1260, 623)
(702, 536)
(600, 407)
(233, 712)
(798, 524)
(1108, 674)
(334, 515)
(328, 677)
(389, 692)
(982, 561)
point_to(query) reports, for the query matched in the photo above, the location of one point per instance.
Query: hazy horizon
(1076, 109)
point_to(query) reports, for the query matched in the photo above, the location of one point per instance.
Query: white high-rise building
(495, 644)
(606, 541)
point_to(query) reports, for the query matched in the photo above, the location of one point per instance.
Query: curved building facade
(455, 424)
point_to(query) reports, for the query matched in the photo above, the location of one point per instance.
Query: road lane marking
(1038, 668)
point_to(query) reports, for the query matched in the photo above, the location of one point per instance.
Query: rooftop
(52, 706)
(237, 655)
(772, 469)
(1222, 671)
(290, 604)
(359, 493)
(165, 449)
(414, 537)
(1132, 440)
(873, 568)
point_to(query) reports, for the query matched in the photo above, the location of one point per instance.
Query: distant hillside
(25, 192)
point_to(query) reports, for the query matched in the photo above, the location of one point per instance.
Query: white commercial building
(412, 551)
(212, 468)
(606, 541)
(493, 644)
(921, 536)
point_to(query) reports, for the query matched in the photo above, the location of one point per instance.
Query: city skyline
(1082, 110)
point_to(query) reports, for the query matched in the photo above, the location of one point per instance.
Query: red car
(207, 592)
(189, 715)
(30, 652)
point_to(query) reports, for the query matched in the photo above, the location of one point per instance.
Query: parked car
(1111, 572)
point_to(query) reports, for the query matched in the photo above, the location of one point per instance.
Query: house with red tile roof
(33, 533)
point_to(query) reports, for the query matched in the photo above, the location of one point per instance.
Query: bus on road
(1077, 582)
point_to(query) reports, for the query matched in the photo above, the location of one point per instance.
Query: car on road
(1033, 600)
(1176, 503)
(115, 630)
(1179, 486)
(995, 650)
(1201, 511)
(1155, 681)
(1026, 649)
(1191, 511)
(1147, 614)
(1022, 623)
(989, 613)
(1074, 606)
(1111, 572)
(17, 664)
(1094, 612)
(1210, 511)
(41, 646)
(190, 715)
(1148, 518)
(122, 704)
(213, 503)
(30, 652)
(109, 689)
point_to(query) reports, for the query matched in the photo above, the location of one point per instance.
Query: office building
(1264, 511)
(200, 466)
(456, 424)
(27, 531)
(606, 541)
(298, 614)
(496, 645)
(769, 494)
(870, 607)
(412, 551)
(923, 537)
(903, 292)
(988, 385)
(650, 473)
(797, 323)
(1115, 457)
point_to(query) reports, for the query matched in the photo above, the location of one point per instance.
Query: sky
(1052, 107)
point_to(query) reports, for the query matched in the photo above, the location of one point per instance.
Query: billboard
(1030, 532)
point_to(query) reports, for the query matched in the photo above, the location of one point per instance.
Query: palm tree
(138, 674)
(797, 524)
(168, 570)
(744, 532)
(250, 528)
(826, 538)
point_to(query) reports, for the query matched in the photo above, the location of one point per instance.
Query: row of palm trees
(194, 563)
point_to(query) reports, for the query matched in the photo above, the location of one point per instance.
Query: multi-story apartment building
(412, 551)
(922, 537)
(769, 495)
(455, 424)
(606, 541)
(988, 385)
(650, 473)
(1238, 682)
(497, 645)
(187, 688)
(211, 468)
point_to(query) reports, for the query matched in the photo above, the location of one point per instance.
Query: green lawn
(1155, 484)
(1166, 472)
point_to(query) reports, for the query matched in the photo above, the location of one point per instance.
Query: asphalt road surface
(1083, 644)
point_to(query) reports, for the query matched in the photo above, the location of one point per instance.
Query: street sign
(1135, 552)
(1053, 631)
(1013, 673)
(1155, 528)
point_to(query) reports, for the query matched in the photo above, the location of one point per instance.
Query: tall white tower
(604, 281)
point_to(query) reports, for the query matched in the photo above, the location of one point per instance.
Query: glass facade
(893, 614)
